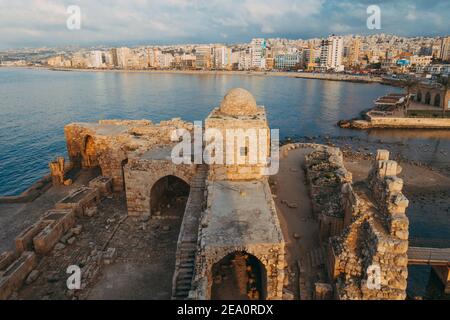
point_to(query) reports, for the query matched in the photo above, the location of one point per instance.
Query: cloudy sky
(33, 23)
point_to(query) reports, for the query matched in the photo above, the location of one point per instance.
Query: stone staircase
(311, 269)
(187, 240)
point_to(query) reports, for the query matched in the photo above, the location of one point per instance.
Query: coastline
(300, 75)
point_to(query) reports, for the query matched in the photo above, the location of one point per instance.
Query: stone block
(6, 258)
(79, 200)
(59, 222)
(394, 184)
(103, 184)
(24, 241)
(382, 155)
(16, 273)
(387, 168)
(401, 201)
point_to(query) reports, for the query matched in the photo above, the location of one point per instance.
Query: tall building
(95, 59)
(324, 48)
(311, 56)
(203, 57)
(258, 47)
(221, 57)
(165, 60)
(331, 53)
(335, 52)
(120, 57)
(245, 59)
(354, 51)
(445, 49)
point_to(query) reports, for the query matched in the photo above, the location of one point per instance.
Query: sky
(37, 23)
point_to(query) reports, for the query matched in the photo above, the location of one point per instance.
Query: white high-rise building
(95, 59)
(331, 53)
(258, 47)
(165, 60)
(221, 57)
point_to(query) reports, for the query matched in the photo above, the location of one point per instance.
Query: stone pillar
(57, 171)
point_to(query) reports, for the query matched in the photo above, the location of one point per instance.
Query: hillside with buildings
(379, 53)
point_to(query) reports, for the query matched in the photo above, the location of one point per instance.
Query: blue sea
(35, 104)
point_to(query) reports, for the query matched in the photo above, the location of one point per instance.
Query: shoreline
(299, 75)
(395, 123)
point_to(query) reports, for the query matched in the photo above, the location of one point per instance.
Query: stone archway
(239, 276)
(428, 98)
(419, 96)
(437, 100)
(168, 197)
(89, 153)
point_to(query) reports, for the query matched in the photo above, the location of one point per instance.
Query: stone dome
(238, 102)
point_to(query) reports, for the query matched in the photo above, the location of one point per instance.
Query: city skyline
(42, 23)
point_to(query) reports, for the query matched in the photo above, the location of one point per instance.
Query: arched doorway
(437, 100)
(419, 96)
(239, 276)
(168, 197)
(90, 159)
(427, 98)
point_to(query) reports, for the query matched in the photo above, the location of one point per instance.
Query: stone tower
(246, 137)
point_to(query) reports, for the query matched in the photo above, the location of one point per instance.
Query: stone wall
(369, 260)
(141, 175)
(272, 257)
(270, 254)
(332, 195)
(250, 169)
(425, 123)
(109, 143)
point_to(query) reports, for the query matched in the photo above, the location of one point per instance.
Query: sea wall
(394, 122)
(422, 123)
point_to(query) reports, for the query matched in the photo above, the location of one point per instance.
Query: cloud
(43, 22)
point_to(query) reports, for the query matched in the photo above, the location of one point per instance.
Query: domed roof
(238, 102)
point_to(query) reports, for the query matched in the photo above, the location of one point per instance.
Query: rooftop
(241, 213)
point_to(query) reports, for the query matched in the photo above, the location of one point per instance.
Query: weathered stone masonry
(373, 247)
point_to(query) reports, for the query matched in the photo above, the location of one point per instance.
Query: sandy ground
(14, 218)
(143, 267)
(293, 203)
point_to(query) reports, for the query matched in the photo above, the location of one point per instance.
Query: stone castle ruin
(229, 216)
(230, 243)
